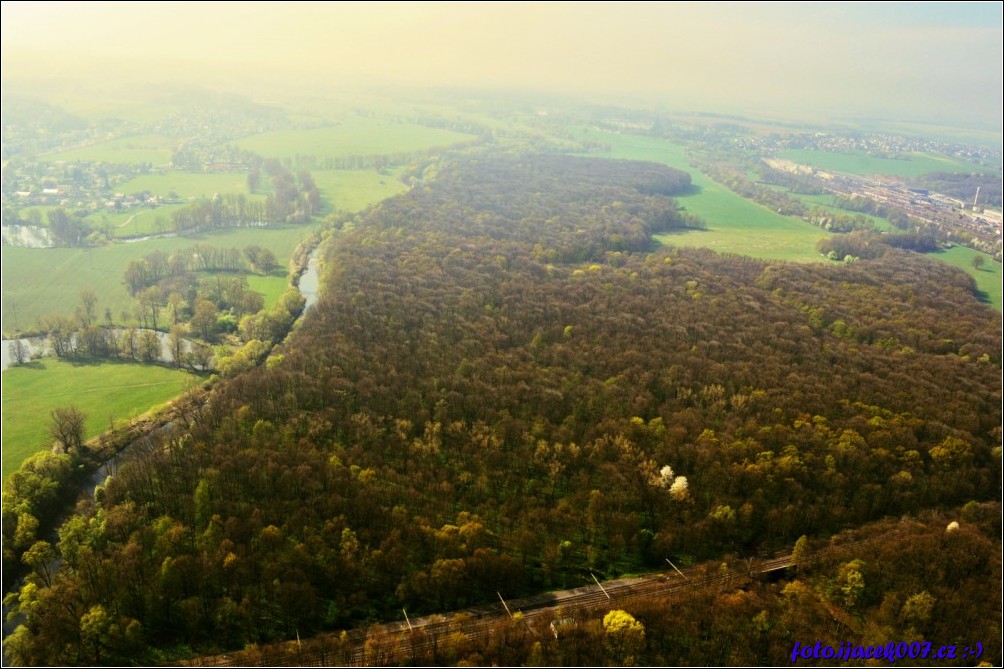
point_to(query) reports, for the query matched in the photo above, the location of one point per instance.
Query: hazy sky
(926, 61)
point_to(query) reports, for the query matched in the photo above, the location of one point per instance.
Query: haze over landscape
(928, 62)
(501, 334)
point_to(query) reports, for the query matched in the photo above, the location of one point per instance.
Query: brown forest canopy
(487, 398)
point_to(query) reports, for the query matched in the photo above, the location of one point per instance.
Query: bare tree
(176, 341)
(89, 300)
(18, 352)
(68, 427)
(200, 356)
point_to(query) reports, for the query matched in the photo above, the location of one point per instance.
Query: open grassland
(859, 162)
(988, 278)
(354, 136)
(41, 282)
(135, 222)
(354, 190)
(186, 184)
(271, 286)
(735, 224)
(153, 149)
(104, 392)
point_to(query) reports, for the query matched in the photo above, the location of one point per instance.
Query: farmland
(735, 225)
(153, 149)
(858, 162)
(186, 184)
(104, 392)
(354, 136)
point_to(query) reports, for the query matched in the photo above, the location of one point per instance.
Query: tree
(267, 261)
(176, 342)
(174, 302)
(68, 427)
(151, 299)
(61, 336)
(254, 179)
(851, 582)
(127, 343)
(204, 318)
(800, 552)
(89, 300)
(917, 609)
(978, 262)
(252, 253)
(19, 353)
(625, 636)
(200, 356)
(40, 558)
(149, 346)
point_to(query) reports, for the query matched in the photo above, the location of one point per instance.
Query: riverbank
(112, 447)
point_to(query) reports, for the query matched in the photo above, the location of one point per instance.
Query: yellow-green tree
(625, 636)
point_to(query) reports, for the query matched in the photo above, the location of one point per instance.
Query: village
(971, 222)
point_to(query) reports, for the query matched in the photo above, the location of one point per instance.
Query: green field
(735, 224)
(826, 202)
(42, 282)
(859, 162)
(988, 279)
(354, 136)
(136, 222)
(354, 190)
(106, 391)
(272, 287)
(186, 184)
(153, 149)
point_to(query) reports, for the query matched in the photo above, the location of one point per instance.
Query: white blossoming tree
(677, 485)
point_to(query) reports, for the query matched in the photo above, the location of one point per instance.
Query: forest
(507, 386)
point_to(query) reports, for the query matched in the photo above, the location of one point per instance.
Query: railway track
(418, 639)
(398, 642)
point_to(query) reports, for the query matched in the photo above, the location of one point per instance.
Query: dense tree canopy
(500, 391)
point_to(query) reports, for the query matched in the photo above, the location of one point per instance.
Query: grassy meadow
(858, 162)
(735, 224)
(136, 222)
(153, 149)
(988, 279)
(41, 282)
(104, 392)
(271, 286)
(354, 190)
(354, 136)
(187, 185)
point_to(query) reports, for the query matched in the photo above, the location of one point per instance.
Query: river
(38, 347)
(27, 237)
(309, 284)
(310, 280)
